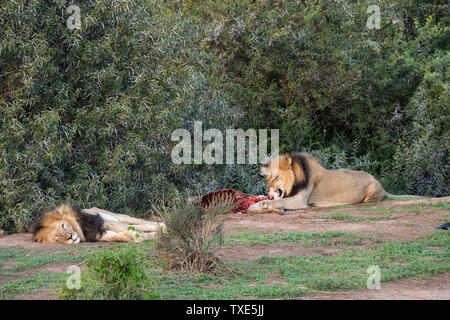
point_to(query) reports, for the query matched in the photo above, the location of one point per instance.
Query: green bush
(114, 274)
(86, 115)
(422, 156)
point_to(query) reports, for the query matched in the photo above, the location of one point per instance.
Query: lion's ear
(285, 163)
(265, 169)
(289, 160)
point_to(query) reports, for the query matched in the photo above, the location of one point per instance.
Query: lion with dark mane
(299, 181)
(69, 224)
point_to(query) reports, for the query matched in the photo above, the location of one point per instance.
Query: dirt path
(388, 220)
(436, 288)
(409, 223)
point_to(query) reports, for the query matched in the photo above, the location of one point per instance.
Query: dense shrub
(86, 115)
(422, 157)
(114, 274)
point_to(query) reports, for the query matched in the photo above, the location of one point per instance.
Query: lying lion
(69, 224)
(299, 181)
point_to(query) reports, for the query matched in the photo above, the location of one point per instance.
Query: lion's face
(58, 231)
(280, 177)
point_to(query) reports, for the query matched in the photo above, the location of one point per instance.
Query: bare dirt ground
(411, 222)
(435, 288)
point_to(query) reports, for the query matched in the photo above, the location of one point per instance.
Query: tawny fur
(302, 182)
(69, 224)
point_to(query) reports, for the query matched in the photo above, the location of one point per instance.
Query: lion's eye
(63, 226)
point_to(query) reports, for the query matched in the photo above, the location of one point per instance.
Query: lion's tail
(390, 196)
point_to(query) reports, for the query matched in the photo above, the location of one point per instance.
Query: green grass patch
(30, 284)
(342, 216)
(266, 277)
(406, 198)
(382, 210)
(283, 277)
(441, 204)
(22, 264)
(26, 258)
(414, 208)
(306, 239)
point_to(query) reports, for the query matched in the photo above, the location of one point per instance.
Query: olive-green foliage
(114, 274)
(422, 159)
(86, 115)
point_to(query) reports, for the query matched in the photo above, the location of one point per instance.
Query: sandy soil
(409, 224)
(435, 288)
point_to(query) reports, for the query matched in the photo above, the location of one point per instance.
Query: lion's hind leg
(123, 218)
(117, 231)
(148, 227)
(139, 224)
(374, 192)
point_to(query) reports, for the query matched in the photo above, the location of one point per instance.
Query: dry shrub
(192, 236)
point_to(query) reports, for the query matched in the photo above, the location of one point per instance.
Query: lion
(70, 225)
(299, 181)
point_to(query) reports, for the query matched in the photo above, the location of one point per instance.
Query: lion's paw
(266, 204)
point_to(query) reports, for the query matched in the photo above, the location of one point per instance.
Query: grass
(341, 216)
(305, 239)
(21, 277)
(28, 259)
(442, 204)
(31, 284)
(22, 271)
(189, 240)
(406, 198)
(414, 208)
(377, 210)
(386, 213)
(266, 277)
(282, 277)
(338, 215)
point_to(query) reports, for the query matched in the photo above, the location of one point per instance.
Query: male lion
(298, 181)
(69, 224)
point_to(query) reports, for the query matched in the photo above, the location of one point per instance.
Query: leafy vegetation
(305, 239)
(114, 274)
(86, 115)
(143, 275)
(192, 236)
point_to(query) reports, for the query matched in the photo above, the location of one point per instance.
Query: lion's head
(284, 174)
(57, 226)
